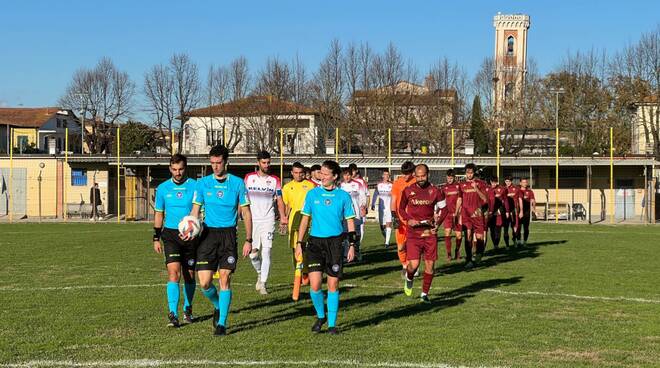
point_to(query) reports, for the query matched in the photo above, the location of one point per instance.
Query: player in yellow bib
(293, 195)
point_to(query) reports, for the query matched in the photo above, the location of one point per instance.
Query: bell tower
(510, 57)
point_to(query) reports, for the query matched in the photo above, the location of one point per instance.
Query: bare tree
(635, 77)
(104, 94)
(328, 88)
(186, 88)
(159, 92)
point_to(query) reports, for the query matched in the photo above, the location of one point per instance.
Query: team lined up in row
(334, 210)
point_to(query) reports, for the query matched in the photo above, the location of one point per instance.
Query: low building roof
(253, 106)
(30, 117)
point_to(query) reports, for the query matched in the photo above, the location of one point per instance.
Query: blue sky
(44, 42)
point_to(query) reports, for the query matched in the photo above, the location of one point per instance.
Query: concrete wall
(56, 187)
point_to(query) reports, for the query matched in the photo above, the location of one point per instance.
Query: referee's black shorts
(217, 249)
(325, 255)
(178, 250)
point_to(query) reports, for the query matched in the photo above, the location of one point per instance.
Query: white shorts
(384, 215)
(263, 234)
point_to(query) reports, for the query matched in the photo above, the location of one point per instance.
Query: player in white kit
(264, 190)
(383, 196)
(359, 199)
(355, 173)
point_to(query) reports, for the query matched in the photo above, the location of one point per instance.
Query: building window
(509, 45)
(78, 177)
(508, 90)
(22, 142)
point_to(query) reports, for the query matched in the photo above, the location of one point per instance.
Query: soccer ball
(189, 227)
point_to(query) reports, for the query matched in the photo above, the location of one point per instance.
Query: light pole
(41, 167)
(557, 92)
(83, 111)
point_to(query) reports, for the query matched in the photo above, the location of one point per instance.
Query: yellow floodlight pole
(611, 175)
(557, 175)
(281, 154)
(11, 175)
(337, 145)
(389, 148)
(452, 148)
(66, 166)
(498, 153)
(119, 175)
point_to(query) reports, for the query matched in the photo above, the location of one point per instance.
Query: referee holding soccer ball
(173, 202)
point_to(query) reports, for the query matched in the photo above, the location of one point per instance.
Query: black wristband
(157, 233)
(352, 237)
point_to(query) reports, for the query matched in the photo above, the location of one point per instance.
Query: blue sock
(317, 300)
(225, 301)
(212, 294)
(173, 296)
(333, 307)
(189, 292)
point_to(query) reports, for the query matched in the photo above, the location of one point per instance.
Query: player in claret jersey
(473, 197)
(527, 204)
(417, 208)
(383, 196)
(511, 220)
(264, 191)
(451, 215)
(498, 207)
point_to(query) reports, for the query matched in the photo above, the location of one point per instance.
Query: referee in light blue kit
(221, 194)
(173, 202)
(328, 207)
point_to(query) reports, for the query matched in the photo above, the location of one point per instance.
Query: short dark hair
(332, 166)
(407, 167)
(471, 166)
(220, 151)
(508, 177)
(307, 170)
(347, 170)
(315, 167)
(494, 178)
(450, 172)
(425, 166)
(178, 158)
(262, 155)
(297, 165)
(386, 171)
(524, 178)
(352, 167)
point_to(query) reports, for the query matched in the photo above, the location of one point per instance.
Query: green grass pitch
(94, 295)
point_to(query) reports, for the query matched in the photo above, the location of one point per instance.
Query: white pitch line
(386, 287)
(162, 363)
(586, 297)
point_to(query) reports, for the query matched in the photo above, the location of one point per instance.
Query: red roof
(253, 106)
(33, 117)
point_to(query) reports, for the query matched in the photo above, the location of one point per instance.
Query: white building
(252, 124)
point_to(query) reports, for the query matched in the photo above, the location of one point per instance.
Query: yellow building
(42, 129)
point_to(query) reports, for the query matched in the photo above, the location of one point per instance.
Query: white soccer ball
(189, 227)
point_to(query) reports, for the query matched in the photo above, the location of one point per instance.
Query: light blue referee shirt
(175, 200)
(221, 199)
(328, 209)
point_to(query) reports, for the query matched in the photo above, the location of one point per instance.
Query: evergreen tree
(477, 130)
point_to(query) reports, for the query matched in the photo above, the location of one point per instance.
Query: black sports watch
(249, 240)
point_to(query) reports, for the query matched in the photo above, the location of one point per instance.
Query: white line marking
(586, 297)
(161, 363)
(387, 287)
